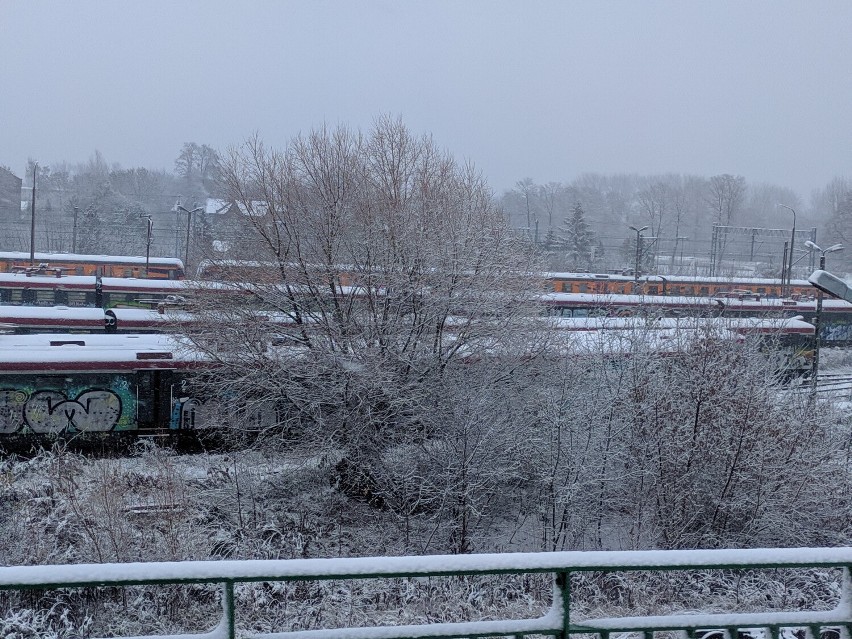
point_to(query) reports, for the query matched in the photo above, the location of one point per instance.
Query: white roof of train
(105, 259)
(737, 324)
(20, 279)
(614, 299)
(677, 279)
(69, 313)
(627, 342)
(764, 304)
(75, 352)
(89, 281)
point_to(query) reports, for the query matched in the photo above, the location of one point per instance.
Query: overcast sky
(547, 90)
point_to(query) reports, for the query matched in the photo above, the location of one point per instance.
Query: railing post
(563, 585)
(228, 615)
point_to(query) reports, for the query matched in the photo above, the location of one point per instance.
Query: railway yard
(93, 356)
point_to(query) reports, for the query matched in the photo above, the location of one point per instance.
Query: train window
(75, 298)
(583, 287)
(653, 290)
(5, 296)
(28, 296)
(704, 291)
(60, 297)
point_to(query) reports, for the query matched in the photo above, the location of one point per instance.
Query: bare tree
(725, 197)
(394, 271)
(527, 190)
(654, 202)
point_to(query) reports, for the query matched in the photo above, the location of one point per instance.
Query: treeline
(586, 224)
(98, 208)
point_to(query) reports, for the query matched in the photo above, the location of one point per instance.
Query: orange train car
(57, 264)
(677, 285)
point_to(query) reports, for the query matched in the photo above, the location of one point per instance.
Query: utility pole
(636, 267)
(32, 217)
(189, 213)
(148, 243)
(792, 244)
(74, 231)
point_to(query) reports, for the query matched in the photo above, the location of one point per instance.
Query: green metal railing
(557, 622)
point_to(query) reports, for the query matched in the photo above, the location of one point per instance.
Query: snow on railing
(557, 621)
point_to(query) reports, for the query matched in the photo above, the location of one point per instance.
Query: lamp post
(147, 216)
(818, 314)
(189, 213)
(638, 256)
(790, 255)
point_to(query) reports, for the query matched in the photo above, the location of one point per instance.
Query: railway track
(834, 383)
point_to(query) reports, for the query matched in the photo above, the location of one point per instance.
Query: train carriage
(91, 387)
(613, 305)
(674, 285)
(21, 289)
(169, 268)
(787, 341)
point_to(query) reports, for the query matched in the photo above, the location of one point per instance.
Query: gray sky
(548, 90)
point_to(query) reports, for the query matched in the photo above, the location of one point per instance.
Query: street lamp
(818, 314)
(790, 255)
(189, 213)
(638, 255)
(147, 216)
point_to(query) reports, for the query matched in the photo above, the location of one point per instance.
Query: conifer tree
(577, 239)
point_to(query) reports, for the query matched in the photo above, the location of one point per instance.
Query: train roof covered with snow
(66, 353)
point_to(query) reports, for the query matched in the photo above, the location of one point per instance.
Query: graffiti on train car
(835, 331)
(94, 410)
(56, 408)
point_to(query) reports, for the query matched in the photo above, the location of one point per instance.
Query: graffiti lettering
(93, 410)
(11, 410)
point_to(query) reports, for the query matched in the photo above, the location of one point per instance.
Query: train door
(153, 410)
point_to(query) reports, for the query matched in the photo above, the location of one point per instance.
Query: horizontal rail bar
(199, 572)
(556, 622)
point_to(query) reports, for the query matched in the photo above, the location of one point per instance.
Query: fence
(557, 622)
